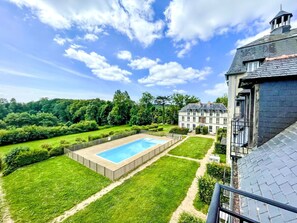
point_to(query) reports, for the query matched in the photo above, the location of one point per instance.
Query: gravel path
(4, 212)
(187, 204)
(107, 189)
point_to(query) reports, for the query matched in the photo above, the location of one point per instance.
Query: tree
(162, 100)
(223, 100)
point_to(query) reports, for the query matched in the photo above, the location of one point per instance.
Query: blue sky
(89, 49)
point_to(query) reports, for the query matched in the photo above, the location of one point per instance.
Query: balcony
(217, 211)
(240, 128)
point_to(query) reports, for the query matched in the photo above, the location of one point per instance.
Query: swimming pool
(121, 153)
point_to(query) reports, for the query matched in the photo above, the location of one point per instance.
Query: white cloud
(143, 63)
(180, 91)
(124, 55)
(90, 37)
(172, 73)
(99, 65)
(134, 18)
(61, 41)
(207, 59)
(218, 90)
(202, 19)
(185, 48)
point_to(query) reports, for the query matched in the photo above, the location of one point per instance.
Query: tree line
(121, 110)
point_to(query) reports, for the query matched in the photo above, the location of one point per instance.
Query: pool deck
(90, 152)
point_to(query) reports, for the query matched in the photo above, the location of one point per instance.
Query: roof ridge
(285, 56)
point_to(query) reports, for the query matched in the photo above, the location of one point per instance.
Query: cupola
(281, 22)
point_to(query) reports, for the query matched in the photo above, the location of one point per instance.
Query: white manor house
(212, 115)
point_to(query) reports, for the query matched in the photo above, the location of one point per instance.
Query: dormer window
(251, 66)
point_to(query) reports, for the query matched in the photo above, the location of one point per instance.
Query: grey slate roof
(271, 171)
(205, 107)
(281, 13)
(266, 47)
(274, 68)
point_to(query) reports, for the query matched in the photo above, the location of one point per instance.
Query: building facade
(259, 81)
(212, 115)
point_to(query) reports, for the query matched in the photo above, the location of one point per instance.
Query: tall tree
(162, 100)
(223, 99)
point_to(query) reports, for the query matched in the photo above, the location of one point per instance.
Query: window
(194, 113)
(210, 113)
(188, 118)
(188, 126)
(210, 120)
(217, 121)
(217, 114)
(183, 118)
(194, 119)
(217, 127)
(202, 113)
(251, 66)
(188, 113)
(210, 128)
(225, 121)
(183, 125)
(194, 126)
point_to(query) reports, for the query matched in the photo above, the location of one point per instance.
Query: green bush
(153, 130)
(205, 130)
(206, 186)
(1, 163)
(160, 129)
(111, 133)
(153, 126)
(56, 151)
(198, 130)
(46, 146)
(21, 157)
(219, 171)
(187, 218)
(91, 138)
(219, 148)
(221, 132)
(178, 130)
(136, 128)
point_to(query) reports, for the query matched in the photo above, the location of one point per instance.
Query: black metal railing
(240, 128)
(216, 208)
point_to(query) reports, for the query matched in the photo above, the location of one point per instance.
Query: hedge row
(219, 171)
(23, 156)
(219, 148)
(201, 130)
(206, 186)
(29, 133)
(187, 218)
(178, 130)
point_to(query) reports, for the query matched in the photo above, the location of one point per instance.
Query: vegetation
(178, 130)
(193, 147)
(40, 192)
(187, 218)
(223, 99)
(62, 140)
(219, 148)
(205, 130)
(219, 171)
(205, 188)
(150, 196)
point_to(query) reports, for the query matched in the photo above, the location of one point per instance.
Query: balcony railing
(216, 208)
(240, 128)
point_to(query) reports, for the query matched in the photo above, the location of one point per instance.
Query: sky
(89, 49)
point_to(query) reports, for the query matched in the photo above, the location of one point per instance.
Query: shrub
(178, 130)
(95, 137)
(1, 163)
(153, 130)
(136, 128)
(187, 218)
(21, 157)
(205, 130)
(46, 146)
(221, 132)
(160, 129)
(219, 148)
(64, 142)
(219, 171)
(198, 130)
(78, 140)
(56, 151)
(206, 186)
(111, 133)
(153, 126)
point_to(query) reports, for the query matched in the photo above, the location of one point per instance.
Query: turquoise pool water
(121, 153)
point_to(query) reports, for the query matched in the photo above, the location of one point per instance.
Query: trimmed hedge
(57, 151)
(206, 186)
(19, 157)
(219, 148)
(221, 132)
(187, 218)
(198, 130)
(178, 130)
(218, 171)
(29, 133)
(205, 130)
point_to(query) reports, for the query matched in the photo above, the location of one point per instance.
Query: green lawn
(56, 140)
(42, 191)
(193, 147)
(150, 196)
(222, 158)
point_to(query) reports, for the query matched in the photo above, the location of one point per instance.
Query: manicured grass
(40, 192)
(193, 147)
(222, 158)
(150, 196)
(56, 140)
(167, 127)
